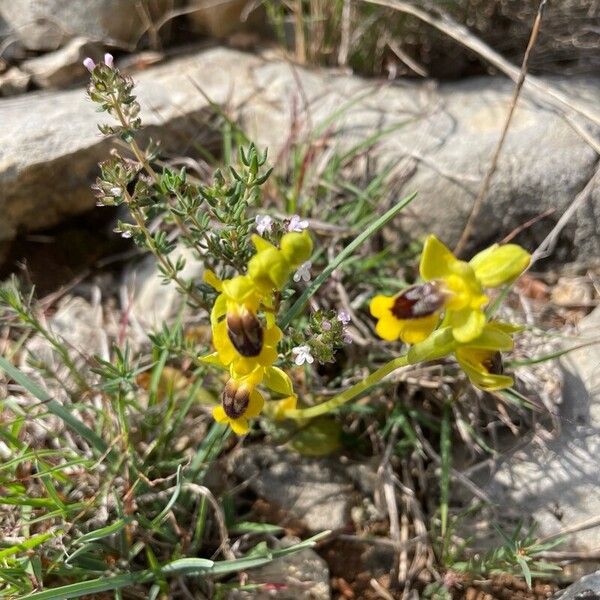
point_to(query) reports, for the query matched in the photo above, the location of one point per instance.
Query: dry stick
(476, 208)
(461, 34)
(344, 48)
(547, 246)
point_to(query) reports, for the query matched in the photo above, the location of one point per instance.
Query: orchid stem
(351, 393)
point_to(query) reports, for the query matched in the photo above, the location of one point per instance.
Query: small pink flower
(302, 355)
(297, 224)
(326, 326)
(89, 64)
(303, 272)
(344, 317)
(264, 223)
(109, 60)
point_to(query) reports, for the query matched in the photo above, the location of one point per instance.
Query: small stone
(49, 24)
(300, 576)
(60, 68)
(316, 491)
(14, 82)
(587, 588)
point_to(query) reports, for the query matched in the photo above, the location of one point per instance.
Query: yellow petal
(261, 244)
(493, 338)
(498, 265)
(212, 359)
(219, 309)
(272, 336)
(239, 288)
(255, 405)
(219, 415)
(389, 328)
(436, 260)
(240, 426)
(212, 280)
(416, 330)
(278, 381)
(467, 324)
(381, 306)
(223, 344)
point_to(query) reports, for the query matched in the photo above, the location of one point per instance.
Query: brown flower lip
(245, 332)
(235, 399)
(494, 365)
(421, 300)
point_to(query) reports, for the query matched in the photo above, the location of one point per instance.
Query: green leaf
(295, 309)
(251, 527)
(94, 586)
(525, 568)
(103, 532)
(28, 544)
(320, 437)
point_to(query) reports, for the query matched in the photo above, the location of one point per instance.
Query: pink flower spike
(109, 60)
(89, 64)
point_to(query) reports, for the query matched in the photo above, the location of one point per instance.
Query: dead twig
(547, 246)
(476, 208)
(542, 90)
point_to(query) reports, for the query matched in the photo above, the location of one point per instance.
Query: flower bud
(296, 247)
(269, 269)
(498, 265)
(245, 332)
(235, 399)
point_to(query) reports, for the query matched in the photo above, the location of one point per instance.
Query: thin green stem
(351, 393)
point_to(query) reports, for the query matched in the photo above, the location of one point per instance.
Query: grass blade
(339, 259)
(53, 406)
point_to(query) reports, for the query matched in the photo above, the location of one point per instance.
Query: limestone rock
(587, 588)
(438, 142)
(47, 25)
(153, 302)
(62, 67)
(556, 482)
(316, 491)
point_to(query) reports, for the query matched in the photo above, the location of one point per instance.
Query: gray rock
(438, 141)
(14, 82)
(315, 490)
(62, 67)
(556, 482)
(153, 302)
(587, 588)
(47, 25)
(300, 576)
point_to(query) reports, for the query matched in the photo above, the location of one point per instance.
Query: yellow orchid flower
(240, 401)
(480, 358)
(241, 339)
(453, 287)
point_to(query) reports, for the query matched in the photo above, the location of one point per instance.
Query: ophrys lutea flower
(244, 339)
(480, 359)
(240, 401)
(453, 290)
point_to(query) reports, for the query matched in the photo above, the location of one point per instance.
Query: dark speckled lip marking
(422, 300)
